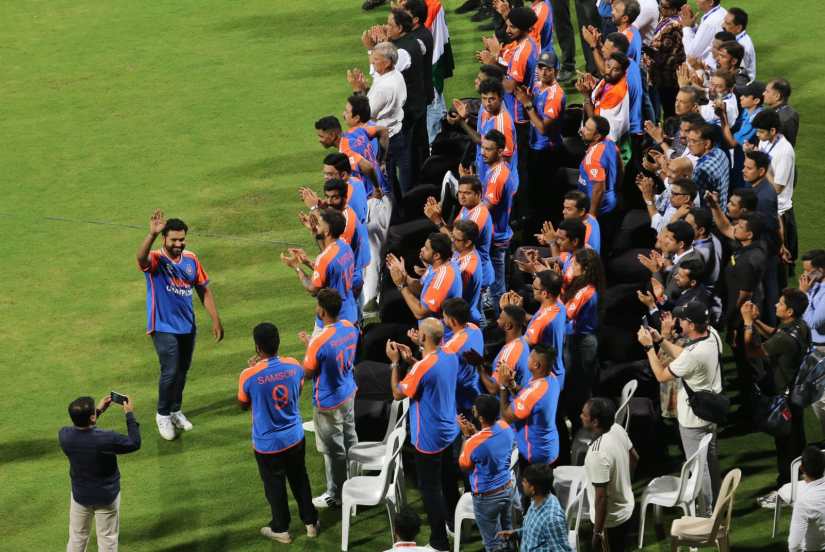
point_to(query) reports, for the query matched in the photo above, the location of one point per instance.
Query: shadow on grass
(27, 449)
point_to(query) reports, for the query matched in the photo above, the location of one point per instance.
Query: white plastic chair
(368, 455)
(371, 490)
(669, 491)
(623, 412)
(464, 508)
(576, 510)
(787, 495)
(713, 531)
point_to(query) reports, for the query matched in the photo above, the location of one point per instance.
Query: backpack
(809, 384)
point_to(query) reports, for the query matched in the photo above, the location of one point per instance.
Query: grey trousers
(691, 436)
(334, 435)
(107, 524)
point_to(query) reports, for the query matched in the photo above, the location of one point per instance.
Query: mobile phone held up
(118, 398)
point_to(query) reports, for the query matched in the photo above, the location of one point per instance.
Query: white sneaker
(326, 500)
(312, 530)
(284, 537)
(165, 427)
(769, 500)
(180, 421)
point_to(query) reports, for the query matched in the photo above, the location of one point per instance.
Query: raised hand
(686, 16)
(667, 324)
(648, 262)
(414, 336)
(460, 108)
(644, 337)
(157, 222)
(646, 298)
(591, 35)
(465, 171)
(645, 185)
(367, 40)
(304, 338)
(309, 197)
(654, 131)
(392, 351)
(485, 57)
(523, 95)
(356, 80)
(657, 288)
(548, 233)
(406, 352)
(432, 210)
(473, 358)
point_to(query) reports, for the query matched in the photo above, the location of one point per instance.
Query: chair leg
(457, 533)
(391, 514)
(775, 528)
(346, 509)
(723, 544)
(674, 544)
(642, 515)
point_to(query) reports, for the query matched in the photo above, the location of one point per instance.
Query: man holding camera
(92, 454)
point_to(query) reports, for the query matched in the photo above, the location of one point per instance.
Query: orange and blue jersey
(514, 355)
(486, 455)
(359, 143)
(601, 163)
(273, 388)
(549, 102)
(535, 411)
(438, 285)
(592, 233)
(542, 31)
(583, 312)
(468, 386)
(471, 281)
(481, 216)
(331, 356)
(634, 50)
(169, 287)
(335, 268)
(503, 122)
(500, 185)
(430, 385)
(636, 93)
(546, 327)
(355, 234)
(357, 197)
(521, 69)
(566, 258)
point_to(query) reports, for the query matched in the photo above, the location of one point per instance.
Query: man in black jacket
(687, 278)
(95, 476)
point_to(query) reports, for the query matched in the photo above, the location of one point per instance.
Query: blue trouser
(498, 256)
(492, 513)
(175, 355)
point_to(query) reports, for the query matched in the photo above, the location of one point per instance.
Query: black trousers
(544, 192)
(563, 30)
(789, 447)
(438, 477)
(616, 536)
(275, 470)
(588, 14)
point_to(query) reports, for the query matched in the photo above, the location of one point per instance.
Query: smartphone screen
(118, 398)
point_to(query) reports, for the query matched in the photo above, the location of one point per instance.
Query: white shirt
(783, 160)
(387, 96)
(708, 113)
(408, 546)
(608, 462)
(749, 61)
(647, 20)
(698, 41)
(698, 365)
(808, 518)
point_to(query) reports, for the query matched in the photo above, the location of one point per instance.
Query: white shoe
(312, 530)
(769, 500)
(165, 427)
(283, 538)
(326, 500)
(180, 421)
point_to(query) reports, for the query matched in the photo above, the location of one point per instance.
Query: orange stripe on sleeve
(245, 375)
(409, 385)
(311, 357)
(527, 399)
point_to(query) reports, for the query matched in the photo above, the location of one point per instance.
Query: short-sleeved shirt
(786, 349)
(355, 234)
(698, 365)
(335, 268)
(438, 285)
(743, 273)
(542, 31)
(273, 388)
(331, 355)
(634, 37)
(549, 102)
(608, 463)
(430, 385)
(535, 410)
(592, 233)
(547, 327)
(514, 354)
(359, 143)
(601, 163)
(500, 186)
(471, 281)
(169, 287)
(583, 312)
(487, 454)
(468, 386)
(503, 122)
(357, 197)
(521, 68)
(481, 216)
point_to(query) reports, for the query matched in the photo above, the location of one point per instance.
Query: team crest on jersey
(189, 269)
(594, 172)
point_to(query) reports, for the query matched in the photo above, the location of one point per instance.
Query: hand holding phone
(119, 398)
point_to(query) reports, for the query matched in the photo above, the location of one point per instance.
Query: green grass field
(111, 109)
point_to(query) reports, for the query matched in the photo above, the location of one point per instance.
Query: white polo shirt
(698, 365)
(783, 159)
(608, 462)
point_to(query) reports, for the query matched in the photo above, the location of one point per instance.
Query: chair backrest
(623, 412)
(388, 467)
(514, 458)
(724, 504)
(795, 465)
(690, 478)
(398, 411)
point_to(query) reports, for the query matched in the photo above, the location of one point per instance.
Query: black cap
(549, 59)
(694, 312)
(754, 89)
(522, 18)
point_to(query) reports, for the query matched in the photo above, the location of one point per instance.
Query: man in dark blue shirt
(95, 477)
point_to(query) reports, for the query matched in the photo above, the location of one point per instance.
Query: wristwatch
(647, 347)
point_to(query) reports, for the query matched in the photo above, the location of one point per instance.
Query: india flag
(443, 63)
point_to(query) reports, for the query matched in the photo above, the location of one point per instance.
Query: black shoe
(481, 15)
(371, 4)
(566, 75)
(468, 6)
(489, 26)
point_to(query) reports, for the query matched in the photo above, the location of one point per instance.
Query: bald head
(432, 330)
(680, 167)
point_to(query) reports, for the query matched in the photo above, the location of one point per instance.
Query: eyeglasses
(679, 193)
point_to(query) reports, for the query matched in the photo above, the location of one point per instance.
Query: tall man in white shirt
(736, 23)
(697, 39)
(808, 518)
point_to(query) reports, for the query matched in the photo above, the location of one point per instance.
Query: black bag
(809, 384)
(707, 405)
(772, 414)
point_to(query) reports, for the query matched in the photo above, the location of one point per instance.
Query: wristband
(647, 347)
(749, 327)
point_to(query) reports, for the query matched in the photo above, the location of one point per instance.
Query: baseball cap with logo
(549, 59)
(694, 312)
